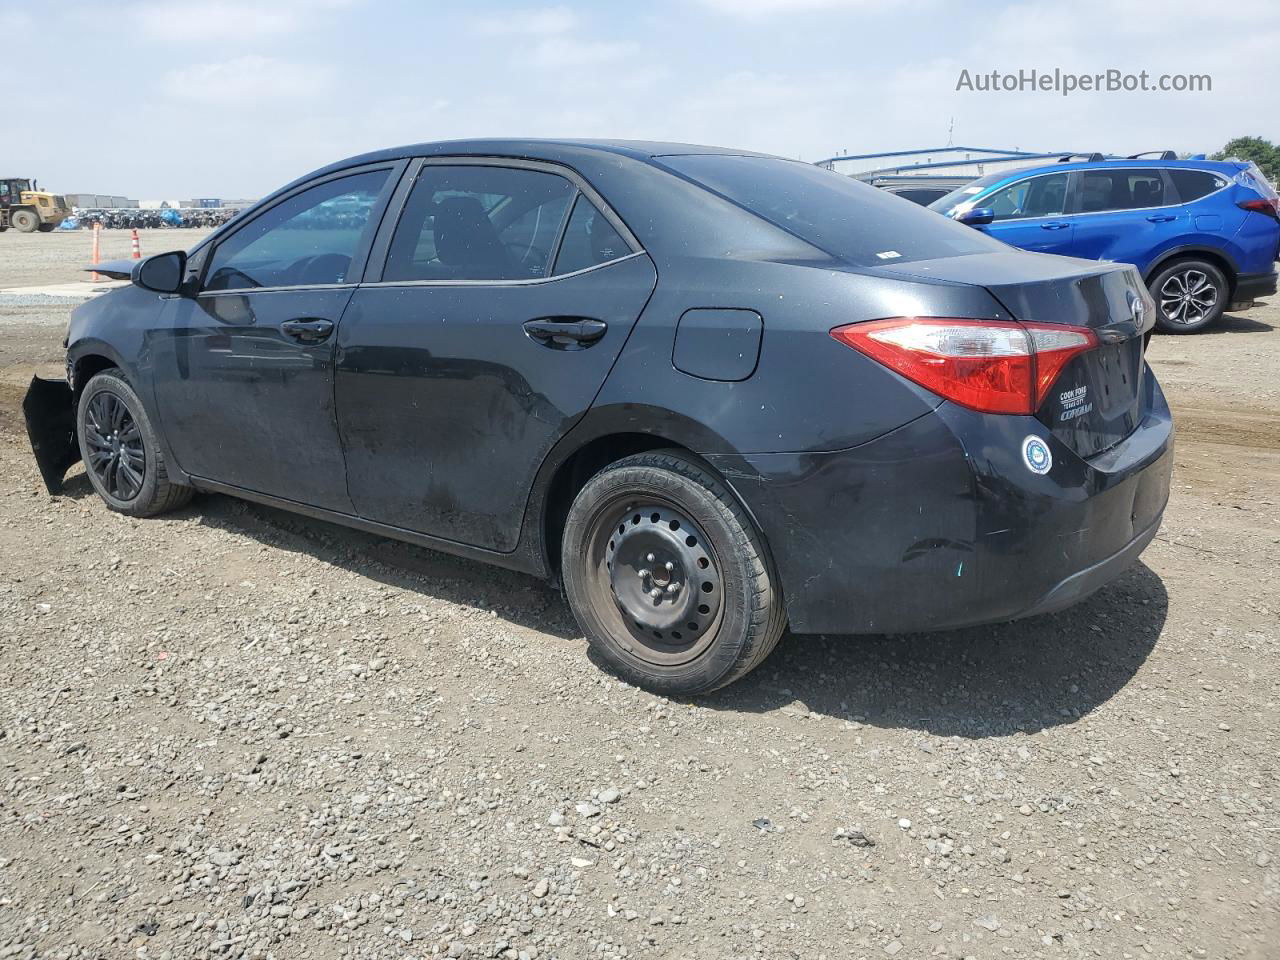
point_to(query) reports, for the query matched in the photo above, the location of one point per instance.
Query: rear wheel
(24, 221)
(47, 227)
(667, 576)
(1189, 295)
(121, 451)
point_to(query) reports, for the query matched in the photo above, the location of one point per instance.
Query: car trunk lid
(1096, 400)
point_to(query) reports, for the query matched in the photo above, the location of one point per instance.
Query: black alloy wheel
(117, 456)
(121, 452)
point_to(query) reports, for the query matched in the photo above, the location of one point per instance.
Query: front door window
(307, 240)
(1035, 197)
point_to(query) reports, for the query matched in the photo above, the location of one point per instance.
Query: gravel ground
(233, 732)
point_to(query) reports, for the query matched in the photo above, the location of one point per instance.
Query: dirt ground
(234, 732)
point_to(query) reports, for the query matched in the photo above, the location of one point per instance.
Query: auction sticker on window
(1036, 455)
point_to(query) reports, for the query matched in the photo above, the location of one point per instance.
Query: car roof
(1222, 166)
(542, 149)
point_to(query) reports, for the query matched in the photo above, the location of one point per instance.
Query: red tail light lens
(990, 365)
(1268, 205)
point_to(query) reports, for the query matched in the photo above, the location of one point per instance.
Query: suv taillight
(1267, 205)
(994, 366)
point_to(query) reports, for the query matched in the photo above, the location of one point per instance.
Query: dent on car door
(506, 296)
(1031, 214)
(244, 368)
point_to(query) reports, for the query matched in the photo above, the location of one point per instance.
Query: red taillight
(995, 366)
(1268, 205)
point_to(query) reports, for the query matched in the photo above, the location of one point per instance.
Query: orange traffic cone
(135, 250)
(97, 250)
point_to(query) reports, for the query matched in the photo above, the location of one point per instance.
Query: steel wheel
(116, 454)
(654, 569)
(1188, 297)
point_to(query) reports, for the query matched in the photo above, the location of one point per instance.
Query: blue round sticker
(1036, 455)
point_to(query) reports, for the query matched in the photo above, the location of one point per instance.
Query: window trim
(377, 261)
(359, 259)
(1073, 186)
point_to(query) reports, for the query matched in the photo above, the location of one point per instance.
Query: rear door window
(473, 222)
(1044, 196)
(589, 239)
(1106, 190)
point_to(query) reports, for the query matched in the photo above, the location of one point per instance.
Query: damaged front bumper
(49, 409)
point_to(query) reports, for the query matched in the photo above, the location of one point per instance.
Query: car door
(507, 293)
(1031, 214)
(1125, 213)
(244, 367)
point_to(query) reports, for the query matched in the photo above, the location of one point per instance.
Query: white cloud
(766, 8)
(567, 52)
(246, 81)
(547, 21)
(552, 38)
(238, 20)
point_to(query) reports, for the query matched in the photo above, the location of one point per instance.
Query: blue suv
(1204, 234)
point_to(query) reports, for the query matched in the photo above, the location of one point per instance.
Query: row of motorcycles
(134, 219)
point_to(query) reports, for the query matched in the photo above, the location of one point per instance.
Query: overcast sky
(230, 98)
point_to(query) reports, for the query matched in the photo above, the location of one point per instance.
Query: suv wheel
(121, 451)
(667, 576)
(1189, 295)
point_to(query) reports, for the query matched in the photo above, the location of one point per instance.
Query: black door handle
(308, 329)
(566, 333)
(1054, 226)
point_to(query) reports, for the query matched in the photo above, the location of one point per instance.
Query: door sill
(511, 561)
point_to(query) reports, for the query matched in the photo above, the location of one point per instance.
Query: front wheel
(47, 227)
(24, 221)
(668, 577)
(1189, 295)
(121, 451)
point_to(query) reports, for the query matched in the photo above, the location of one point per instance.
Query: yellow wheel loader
(26, 208)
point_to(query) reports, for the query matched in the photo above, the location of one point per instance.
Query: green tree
(1262, 152)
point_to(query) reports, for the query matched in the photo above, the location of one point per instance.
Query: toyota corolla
(713, 394)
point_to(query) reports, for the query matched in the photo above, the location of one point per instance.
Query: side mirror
(977, 216)
(162, 273)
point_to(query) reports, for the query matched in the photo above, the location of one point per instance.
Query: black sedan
(714, 394)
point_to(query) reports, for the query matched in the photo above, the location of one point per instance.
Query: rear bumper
(1251, 286)
(1079, 585)
(939, 524)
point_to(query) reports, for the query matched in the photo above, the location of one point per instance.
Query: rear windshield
(848, 219)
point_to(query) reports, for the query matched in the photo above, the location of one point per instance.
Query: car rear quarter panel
(808, 391)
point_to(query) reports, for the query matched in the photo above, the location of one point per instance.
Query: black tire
(1189, 294)
(24, 221)
(121, 452)
(726, 613)
(47, 227)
